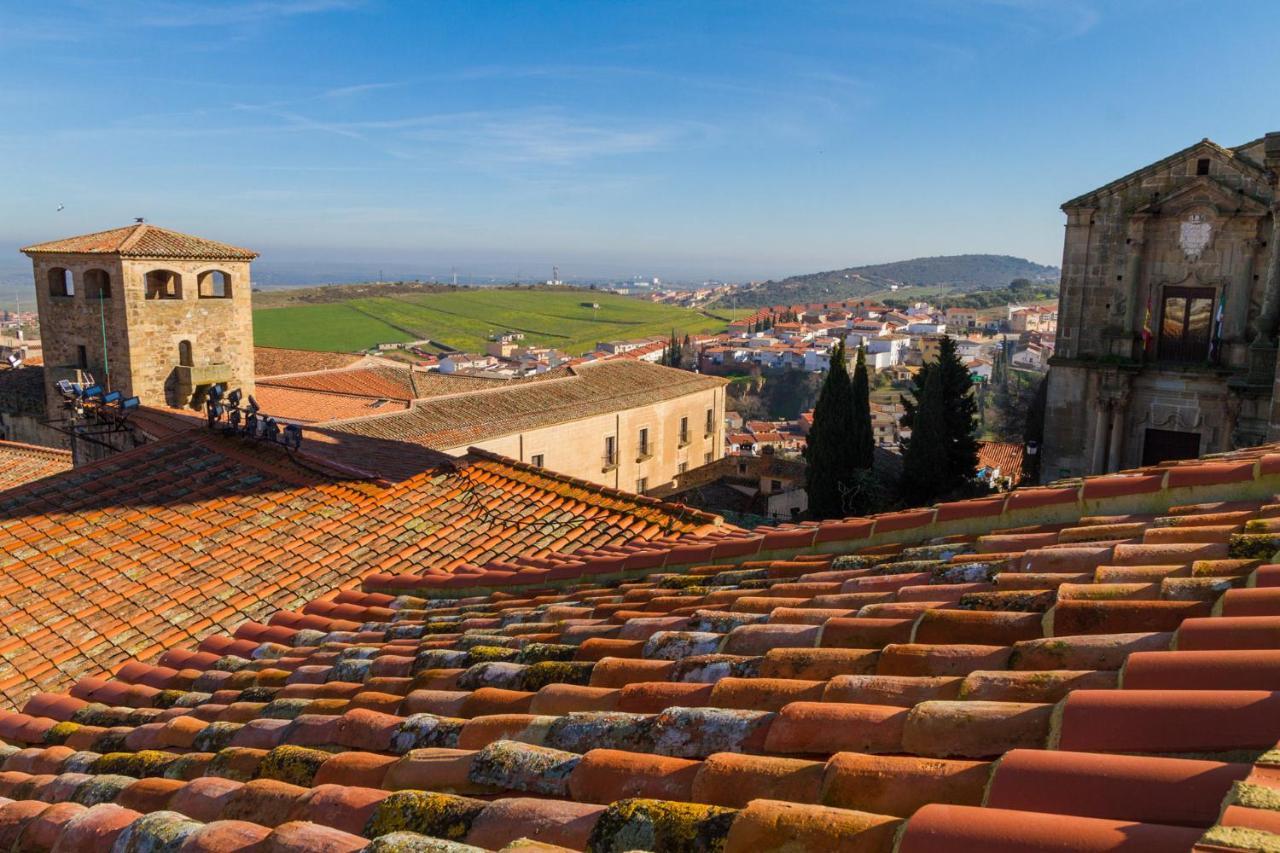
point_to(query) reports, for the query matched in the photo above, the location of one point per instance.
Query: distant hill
(953, 272)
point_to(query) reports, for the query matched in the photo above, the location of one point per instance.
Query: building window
(214, 284)
(610, 451)
(684, 431)
(537, 460)
(682, 467)
(643, 443)
(1202, 166)
(163, 284)
(97, 284)
(1186, 324)
(706, 459)
(185, 357)
(61, 282)
(710, 427)
(82, 357)
(775, 485)
(642, 485)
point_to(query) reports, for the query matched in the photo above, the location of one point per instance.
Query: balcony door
(1186, 324)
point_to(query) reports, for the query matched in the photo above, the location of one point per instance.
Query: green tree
(863, 439)
(830, 467)
(926, 461)
(949, 382)
(671, 355)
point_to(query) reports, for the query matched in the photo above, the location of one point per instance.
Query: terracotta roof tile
(143, 240)
(613, 694)
(22, 463)
(456, 421)
(275, 361)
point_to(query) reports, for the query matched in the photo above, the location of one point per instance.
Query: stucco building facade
(1165, 346)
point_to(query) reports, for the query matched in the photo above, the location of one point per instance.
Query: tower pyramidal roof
(142, 240)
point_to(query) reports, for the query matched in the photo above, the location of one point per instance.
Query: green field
(466, 319)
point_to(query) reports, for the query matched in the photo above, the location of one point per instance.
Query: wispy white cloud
(544, 136)
(1052, 18)
(357, 89)
(216, 14)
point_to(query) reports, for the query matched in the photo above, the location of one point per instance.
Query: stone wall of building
(219, 330)
(68, 323)
(131, 343)
(576, 448)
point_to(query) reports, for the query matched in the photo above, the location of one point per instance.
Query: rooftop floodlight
(270, 429)
(93, 392)
(15, 360)
(253, 405)
(111, 398)
(128, 404)
(234, 398)
(234, 418)
(65, 388)
(292, 438)
(251, 424)
(215, 392)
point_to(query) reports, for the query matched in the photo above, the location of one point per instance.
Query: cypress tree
(863, 440)
(956, 477)
(830, 465)
(672, 357)
(925, 462)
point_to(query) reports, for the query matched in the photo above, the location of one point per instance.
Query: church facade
(1167, 317)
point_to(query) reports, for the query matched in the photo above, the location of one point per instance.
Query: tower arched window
(97, 284)
(164, 284)
(185, 356)
(214, 284)
(61, 282)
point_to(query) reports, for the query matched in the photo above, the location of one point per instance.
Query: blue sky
(728, 139)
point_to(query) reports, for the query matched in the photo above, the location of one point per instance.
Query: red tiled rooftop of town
(1088, 666)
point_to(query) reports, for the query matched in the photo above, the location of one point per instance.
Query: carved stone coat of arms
(1194, 236)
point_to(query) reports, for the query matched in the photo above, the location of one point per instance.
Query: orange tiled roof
(168, 542)
(142, 240)
(22, 463)
(587, 390)
(312, 407)
(276, 361)
(1005, 455)
(391, 382)
(1089, 666)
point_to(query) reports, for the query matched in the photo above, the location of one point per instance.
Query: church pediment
(1205, 192)
(1205, 148)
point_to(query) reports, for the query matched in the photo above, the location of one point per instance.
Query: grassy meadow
(465, 319)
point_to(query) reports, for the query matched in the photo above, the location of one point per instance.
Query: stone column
(1133, 276)
(1100, 429)
(1117, 436)
(1265, 326)
(1240, 292)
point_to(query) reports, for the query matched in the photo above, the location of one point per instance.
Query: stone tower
(145, 311)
